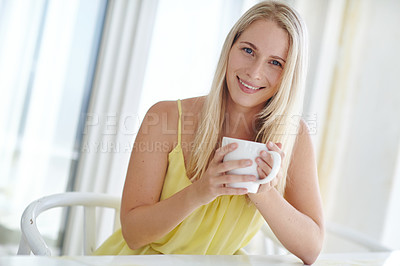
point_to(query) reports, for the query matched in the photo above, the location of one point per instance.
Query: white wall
(353, 90)
(369, 163)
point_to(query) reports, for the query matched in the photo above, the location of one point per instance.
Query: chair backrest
(32, 240)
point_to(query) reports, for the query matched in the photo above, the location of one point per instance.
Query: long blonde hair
(279, 119)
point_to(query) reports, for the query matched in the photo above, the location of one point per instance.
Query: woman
(175, 198)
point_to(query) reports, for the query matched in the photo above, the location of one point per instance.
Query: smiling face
(255, 64)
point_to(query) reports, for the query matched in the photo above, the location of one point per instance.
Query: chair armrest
(31, 238)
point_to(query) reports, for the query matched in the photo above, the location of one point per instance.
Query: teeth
(248, 86)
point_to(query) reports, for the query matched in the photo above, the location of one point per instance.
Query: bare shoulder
(161, 120)
(170, 109)
(303, 141)
(194, 104)
(303, 128)
(160, 124)
(303, 154)
(163, 107)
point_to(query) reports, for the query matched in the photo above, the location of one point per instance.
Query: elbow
(310, 258)
(129, 231)
(310, 255)
(131, 239)
(309, 262)
(132, 242)
(133, 245)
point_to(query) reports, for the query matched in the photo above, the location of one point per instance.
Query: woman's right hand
(213, 183)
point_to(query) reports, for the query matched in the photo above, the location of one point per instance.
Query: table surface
(371, 258)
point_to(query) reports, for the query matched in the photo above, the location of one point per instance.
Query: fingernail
(270, 145)
(249, 162)
(264, 154)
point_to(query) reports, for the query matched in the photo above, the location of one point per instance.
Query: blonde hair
(279, 119)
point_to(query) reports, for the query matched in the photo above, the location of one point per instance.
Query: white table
(384, 258)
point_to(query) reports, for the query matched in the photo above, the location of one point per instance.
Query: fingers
(221, 152)
(233, 191)
(276, 147)
(263, 187)
(227, 179)
(266, 161)
(230, 165)
(261, 173)
(222, 167)
(219, 168)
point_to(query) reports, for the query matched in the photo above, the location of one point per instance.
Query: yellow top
(221, 227)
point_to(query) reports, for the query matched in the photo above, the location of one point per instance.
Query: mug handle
(275, 168)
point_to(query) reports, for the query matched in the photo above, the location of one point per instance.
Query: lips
(248, 88)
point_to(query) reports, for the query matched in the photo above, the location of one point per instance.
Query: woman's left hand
(264, 166)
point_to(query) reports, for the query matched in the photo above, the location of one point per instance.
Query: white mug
(250, 150)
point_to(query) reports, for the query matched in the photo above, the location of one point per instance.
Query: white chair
(32, 240)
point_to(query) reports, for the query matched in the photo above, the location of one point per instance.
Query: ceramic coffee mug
(250, 150)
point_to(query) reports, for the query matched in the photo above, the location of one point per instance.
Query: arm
(296, 219)
(144, 218)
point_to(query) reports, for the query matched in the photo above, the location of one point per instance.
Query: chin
(247, 101)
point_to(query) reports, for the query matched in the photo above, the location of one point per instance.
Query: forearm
(299, 233)
(148, 223)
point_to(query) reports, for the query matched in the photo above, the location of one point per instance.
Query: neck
(240, 122)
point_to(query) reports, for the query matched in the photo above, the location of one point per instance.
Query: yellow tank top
(221, 227)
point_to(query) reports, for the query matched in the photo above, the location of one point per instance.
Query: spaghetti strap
(179, 121)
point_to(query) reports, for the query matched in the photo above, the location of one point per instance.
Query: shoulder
(303, 148)
(161, 113)
(161, 120)
(303, 140)
(303, 133)
(193, 105)
(163, 107)
(170, 108)
(304, 130)
(159, 125)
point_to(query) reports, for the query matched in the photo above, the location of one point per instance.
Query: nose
(254, 70)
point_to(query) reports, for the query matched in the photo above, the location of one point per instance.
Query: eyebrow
(256, 49)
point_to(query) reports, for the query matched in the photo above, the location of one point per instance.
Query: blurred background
(77, 77)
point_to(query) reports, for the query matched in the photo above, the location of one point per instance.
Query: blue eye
(248, 50)
(276, 63)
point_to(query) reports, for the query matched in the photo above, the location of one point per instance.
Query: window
(48, 50)
(187, 40)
